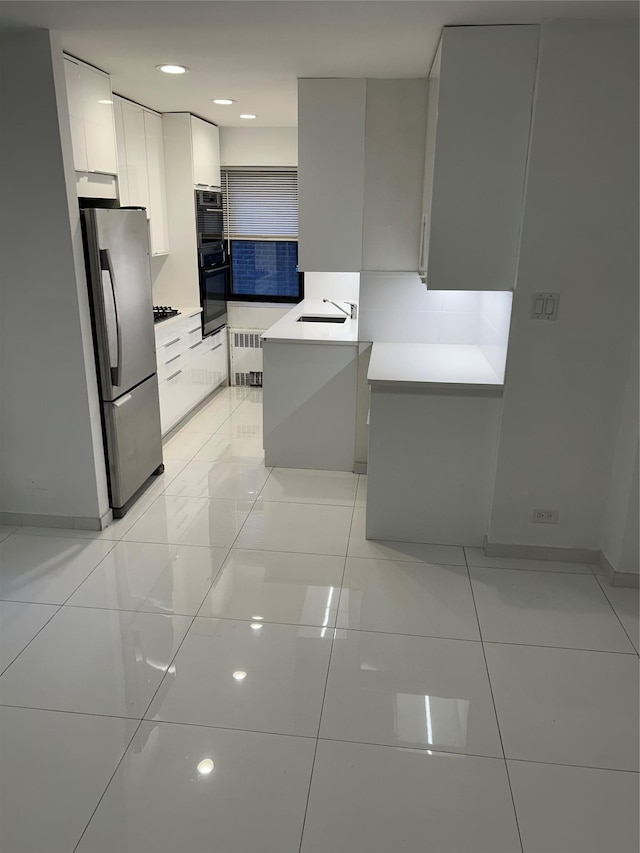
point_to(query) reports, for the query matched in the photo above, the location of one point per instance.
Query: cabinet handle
(173, 375)
(98, 172)
(193, 346)
(173, 358)
(171, 343)
(217, 346)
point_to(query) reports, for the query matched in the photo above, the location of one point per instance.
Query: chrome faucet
(353, 314)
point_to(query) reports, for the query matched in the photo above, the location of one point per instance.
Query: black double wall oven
(213, 260)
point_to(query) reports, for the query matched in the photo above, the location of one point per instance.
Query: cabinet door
(136, 155)
(205, 148)
(482, 122)
(121, 153)
(76, 114)
(158, 222)
(99, 131)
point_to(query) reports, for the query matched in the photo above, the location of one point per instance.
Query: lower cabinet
(188, 370)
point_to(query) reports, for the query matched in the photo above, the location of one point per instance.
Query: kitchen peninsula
(310, 378)
(433, 433)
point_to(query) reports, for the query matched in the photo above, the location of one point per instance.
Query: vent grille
(252, 379)
(247, 340)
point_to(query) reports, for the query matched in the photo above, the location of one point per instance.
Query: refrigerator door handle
(113, 329)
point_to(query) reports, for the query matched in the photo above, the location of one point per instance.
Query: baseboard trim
(541, 552)
(594, 557)
(624, 579)
(67, 522)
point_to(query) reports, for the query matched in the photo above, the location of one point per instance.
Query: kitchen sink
(314, 318)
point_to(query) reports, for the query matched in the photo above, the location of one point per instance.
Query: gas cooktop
(163, 312)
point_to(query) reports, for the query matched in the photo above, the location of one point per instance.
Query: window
(261, 225)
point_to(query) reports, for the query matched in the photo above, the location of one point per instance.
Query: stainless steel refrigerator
(116, 243)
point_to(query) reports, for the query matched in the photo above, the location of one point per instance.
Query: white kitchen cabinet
(205, 149)
(141, 167)
(132, 154)
(189, 367)
(91, 114)
(157, 209)
(479, 115)
(331, 173)
(76, 114)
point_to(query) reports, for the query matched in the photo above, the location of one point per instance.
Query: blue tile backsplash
(263, 268)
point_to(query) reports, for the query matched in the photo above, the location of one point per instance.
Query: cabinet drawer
(193, 338)
(174, 344)
(215, 341)
(170, 363)
(194, 323)
(176, 398)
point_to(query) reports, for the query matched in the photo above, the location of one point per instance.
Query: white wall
(258, 146)
(565, 379)
(52, 460)
(396, 119)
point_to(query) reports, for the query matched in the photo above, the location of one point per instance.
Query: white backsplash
(332, 285)
(398, 308)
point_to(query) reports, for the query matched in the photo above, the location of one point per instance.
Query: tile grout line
(326, 681)
(597, 577)
(416, 749)
(142, 719)
(495, 710)
(59, 608)
(124, 752)
(200, 615)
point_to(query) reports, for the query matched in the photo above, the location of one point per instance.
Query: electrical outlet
(545, 516)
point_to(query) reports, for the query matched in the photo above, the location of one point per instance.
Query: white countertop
(432, 366)
(289, 330)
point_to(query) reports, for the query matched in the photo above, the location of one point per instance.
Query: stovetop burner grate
(163, 312)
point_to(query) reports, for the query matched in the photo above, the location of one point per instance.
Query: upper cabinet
(478, 121)
(205, 151)
(141, 174)
(92, 129)
(331, 173)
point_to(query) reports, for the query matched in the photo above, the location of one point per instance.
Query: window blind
(260, 203)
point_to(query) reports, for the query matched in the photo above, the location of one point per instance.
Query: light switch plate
(544, 306)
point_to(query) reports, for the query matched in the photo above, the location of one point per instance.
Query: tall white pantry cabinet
(141, 173)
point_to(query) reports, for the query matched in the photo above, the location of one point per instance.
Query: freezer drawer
(134, 440)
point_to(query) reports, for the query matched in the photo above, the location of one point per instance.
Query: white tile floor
(233, 667)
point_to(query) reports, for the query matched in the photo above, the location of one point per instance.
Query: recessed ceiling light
(248, 115)
(173, 69)
(224, 102)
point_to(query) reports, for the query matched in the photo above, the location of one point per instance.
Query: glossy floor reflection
(234, 668)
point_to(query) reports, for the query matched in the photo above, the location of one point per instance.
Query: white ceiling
(254, 51)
